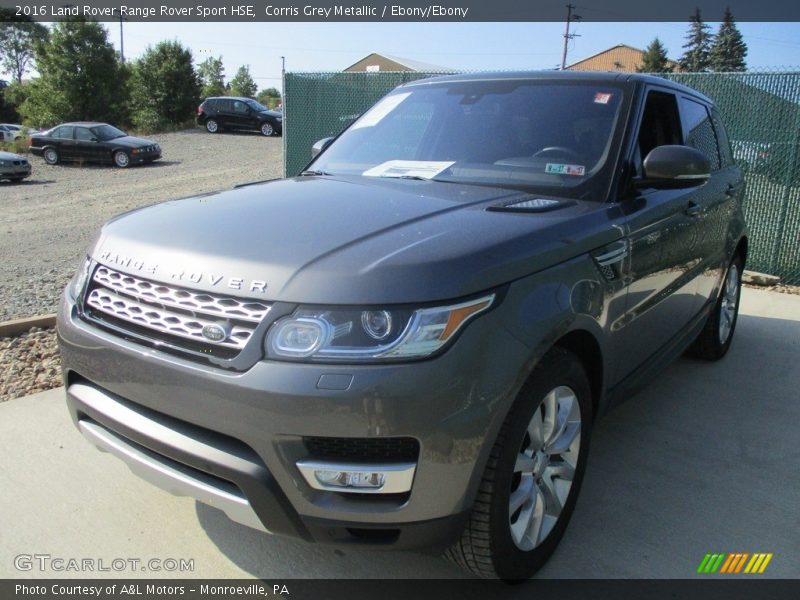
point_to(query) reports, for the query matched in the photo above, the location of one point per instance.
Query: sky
(461, 46)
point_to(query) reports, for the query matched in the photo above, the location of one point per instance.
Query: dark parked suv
(242, 114)
(407, 344)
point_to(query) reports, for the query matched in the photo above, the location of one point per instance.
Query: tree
(654, 59)
(242, 83)
(269, 97)
(698, 45)
(164, 86)
(80, 77)
(212, 77)
(18, 35)
(728, 51)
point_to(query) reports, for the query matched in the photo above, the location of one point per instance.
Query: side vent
(609, 259)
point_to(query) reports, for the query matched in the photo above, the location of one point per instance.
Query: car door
(717, 198)
(86, 146)
(241, 115)
(225, 114)
(662, 237)
(62, 140)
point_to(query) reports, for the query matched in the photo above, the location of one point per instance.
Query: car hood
(272, 113)
(129, 141)
(358, 240)
(10, 156)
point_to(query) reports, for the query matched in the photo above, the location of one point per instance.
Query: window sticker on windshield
(376, 114)
(602, 97)
(564, 169)
(424, 169)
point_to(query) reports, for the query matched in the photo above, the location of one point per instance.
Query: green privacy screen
(761, 111)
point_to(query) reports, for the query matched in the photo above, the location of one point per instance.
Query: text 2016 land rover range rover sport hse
(407, 345)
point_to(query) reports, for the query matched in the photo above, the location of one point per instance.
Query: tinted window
(725, 153)
(83, 134)
(63, 133)
(699, 130)
(240, 107)
(660, 126)
(107, 132)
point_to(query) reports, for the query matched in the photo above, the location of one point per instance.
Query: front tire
(121, 159)
(50, 156)
(715, 340)
(267, 129)
(533, 475)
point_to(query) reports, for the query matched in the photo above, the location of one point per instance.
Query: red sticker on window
(602, 97)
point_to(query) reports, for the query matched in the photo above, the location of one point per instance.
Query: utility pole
(567, 35)
(121, 40)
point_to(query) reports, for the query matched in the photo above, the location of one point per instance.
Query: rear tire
(212, 126)
(533, 475)
(716, 337)
(50, 156)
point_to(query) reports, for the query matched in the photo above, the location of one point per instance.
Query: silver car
(14, 167)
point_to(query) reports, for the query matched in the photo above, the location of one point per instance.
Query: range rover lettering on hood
(216, 280)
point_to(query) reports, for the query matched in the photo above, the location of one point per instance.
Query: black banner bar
(398, 10)
(716, 588)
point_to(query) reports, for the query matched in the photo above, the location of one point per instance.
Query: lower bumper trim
(173, 478)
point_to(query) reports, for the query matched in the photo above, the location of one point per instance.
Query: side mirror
(675, 166)
(320, 145)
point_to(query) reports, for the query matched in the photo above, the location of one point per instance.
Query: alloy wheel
(545, 468)
(728, 303)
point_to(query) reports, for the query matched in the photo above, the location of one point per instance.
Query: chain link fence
(761, 111)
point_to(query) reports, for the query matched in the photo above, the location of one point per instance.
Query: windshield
(107, 132)
(256, 105)
(537, 135)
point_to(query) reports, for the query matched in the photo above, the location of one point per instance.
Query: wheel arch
(586, 347)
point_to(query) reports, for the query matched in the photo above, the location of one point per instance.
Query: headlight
(350, 334)
(4, 163)
(79, 280)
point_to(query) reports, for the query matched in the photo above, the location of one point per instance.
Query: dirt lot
(47, 222)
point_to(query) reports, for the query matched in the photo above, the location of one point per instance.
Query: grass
(20, 146)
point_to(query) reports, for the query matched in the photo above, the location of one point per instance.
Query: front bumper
(145, 157)
(15, 171)
(234, 440)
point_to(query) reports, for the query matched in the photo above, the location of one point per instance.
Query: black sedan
(93, 142)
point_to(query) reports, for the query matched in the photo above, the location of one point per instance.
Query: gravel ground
(48, 221)
(30, 364)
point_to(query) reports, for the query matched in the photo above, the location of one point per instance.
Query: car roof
(82, 123)
(586, 76)
(228, 98)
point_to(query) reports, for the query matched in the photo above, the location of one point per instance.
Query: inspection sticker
(563, 169)
(602, 97)
(425, 169)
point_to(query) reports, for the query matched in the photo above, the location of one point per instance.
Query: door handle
(692, 209)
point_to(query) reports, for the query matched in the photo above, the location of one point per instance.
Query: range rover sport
(407, 344)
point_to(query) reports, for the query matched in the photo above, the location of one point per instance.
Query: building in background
(622, 58)
(376, 62)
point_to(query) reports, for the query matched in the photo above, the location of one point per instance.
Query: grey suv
(406, 345)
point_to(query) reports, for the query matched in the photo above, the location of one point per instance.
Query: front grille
(388, 449)
(170, 313)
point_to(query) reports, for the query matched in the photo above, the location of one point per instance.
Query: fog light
(350, 479)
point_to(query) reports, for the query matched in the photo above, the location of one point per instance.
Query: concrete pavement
(706, 459)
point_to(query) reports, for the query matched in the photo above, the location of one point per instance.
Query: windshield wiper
(312, 173)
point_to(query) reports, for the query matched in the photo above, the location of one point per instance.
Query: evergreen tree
(654, 59)
(80, 77)
(729, 50)
(212, 77)
(242, 83)
(164, 87)
(698, 44)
